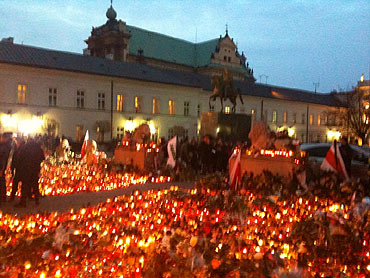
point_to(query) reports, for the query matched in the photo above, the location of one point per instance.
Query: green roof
(169, 49)
(203, 52)
(243, 70)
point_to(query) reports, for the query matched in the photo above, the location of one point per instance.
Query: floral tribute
(209, 231)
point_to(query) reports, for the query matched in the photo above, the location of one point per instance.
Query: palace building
(127, 76)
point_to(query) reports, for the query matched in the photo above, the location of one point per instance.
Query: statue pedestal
(228, 126)
(281, 166)
(126, 156)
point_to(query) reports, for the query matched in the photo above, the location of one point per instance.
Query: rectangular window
(319, 119)
(171, 107)
(325, 119)
(138, 104)
(101, 101)
(22, 92)
(311, 119)
(227, 109)
(265, 115)
(186, 108)
(274, 116)
(80, 99)
(285, 117)
(120, 133)
(211, 108)
(52, 96)
(253, 114)
(294, 118)
(303, 118)
(119, 103)
(199, 110)
(155, 109)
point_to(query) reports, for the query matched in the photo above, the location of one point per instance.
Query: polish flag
(235, 173)
(84, 145)
(334, 162)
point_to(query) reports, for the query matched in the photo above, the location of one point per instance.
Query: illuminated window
(80, 101)
(138, 102)
(79, 133)
(274, 116)
(294, 118)
(52, 96)
(227, 109)
(325, 120)
(311, 119)
(332, 120)
(22, 91)
(119, 103)
(303, 118)
(319, 119)
(101, 101)
(171, 107)
(199, 110)
(253, 114)
(155, 109)
(285, 117)
(186, 108)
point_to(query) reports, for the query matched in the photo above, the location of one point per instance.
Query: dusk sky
(294, 43)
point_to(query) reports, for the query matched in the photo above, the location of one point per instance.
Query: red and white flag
(84, 145)
(235, 172)
(334, 162)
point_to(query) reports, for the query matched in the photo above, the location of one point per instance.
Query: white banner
(171, 149)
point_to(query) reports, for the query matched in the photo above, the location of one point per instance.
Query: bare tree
(352, 114)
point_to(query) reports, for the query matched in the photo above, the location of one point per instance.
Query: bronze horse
(223, 88)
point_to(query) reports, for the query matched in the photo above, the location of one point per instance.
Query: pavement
(63, 203)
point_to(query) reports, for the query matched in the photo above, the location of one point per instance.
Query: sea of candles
(62, 179)
(123, 236)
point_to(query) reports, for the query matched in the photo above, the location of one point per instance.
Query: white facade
(45, 88)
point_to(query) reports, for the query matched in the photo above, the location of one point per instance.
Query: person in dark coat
(347, 153)
(205, 154)
(222, 156)
(29, 166)
(15, 161)
(5, 147)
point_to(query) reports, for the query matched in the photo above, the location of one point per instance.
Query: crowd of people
(197, 157)
(20, 159)
(23, 158)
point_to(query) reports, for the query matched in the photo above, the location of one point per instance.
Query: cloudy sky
(288, 43)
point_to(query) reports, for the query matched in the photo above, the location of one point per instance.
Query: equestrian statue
(223, 88)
